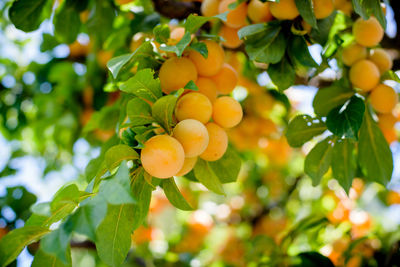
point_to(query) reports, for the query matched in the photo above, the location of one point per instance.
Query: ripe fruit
(226, 79)
(175, 73)
(162, 156)
(353, 53)
(259, 11)
(212, 64)
(285, 9)
(386, 121)
(230, 36)
(209, 8)
(227, 112)
(236, 17)
(207, 87)
(384, 98)
(188, 165)
(218, 142)
(193, 137)
(381, 59)
(364, 74)
(193, 106)
(368, 32)
(176, 35)
(323, 8)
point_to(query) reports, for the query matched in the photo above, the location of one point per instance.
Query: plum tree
(364, 74)
(227, 112)
(175, 73)
(193, 137)
(162, 156)
(368, 32)
(193, 106)
(218, 143)
(212, 64)
(383, 98)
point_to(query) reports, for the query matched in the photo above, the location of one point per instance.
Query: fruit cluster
(202, 116)
(367, 63)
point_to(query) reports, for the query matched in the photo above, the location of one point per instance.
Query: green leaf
(367, 8)
(141, 191)
(44, 259)
(318, 161)
(207, 177)
(116, 64)
(302, 128)
(390, 75)
(66, 23)
(57, 244)
(306, 11)
(201, 48)
(374, 155)
(113, 236)
(344, 162)
(139, 112)
(174, 195)
(193, 22)
(282, 74)
(161, 33)
(299, 53)
(143, 85)
(191, 86)
(163, 110)
(331, 97)
(346, 121)
(101, 19)
(116, 190)
(180, 46)
(27, 15)
(313, 259)
(251, 30)
(116, 154)
(325, 28)
(105, 119)
(14, 242)
(227, 168)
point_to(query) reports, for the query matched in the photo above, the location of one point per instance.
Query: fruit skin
(323, 8)
(193, 106)
(259, 11)
(236, 17)
(207, 87)
(226, 79)
(218, 142)
(364, 74)
(175, 73)
(381, 59)
(383, 98)
(193, 137)
(386, 121)
(368, 32)
(284, 10)
(162, 156)
(227, 112)
(209, 8)
(353, 53)
(212, 64)
(176, 35)
(230, 36)
(188, 165)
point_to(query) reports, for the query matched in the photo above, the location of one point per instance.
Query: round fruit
(209, 8)
(364, 74)
(212, 64)
(353, 53)
(236, 17)
(192, 135)
(162, 156)
(381, 59)
(323, 8)
(176, 35)
(193, 106)
(368, 32)
(230, 36)
(218, 143)
(188, 165)
(227, 112)
(284, 10)
(226, 79)
(259, 11)
(383, 98)
(175, 73)
(386, 121)
(207, 87)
